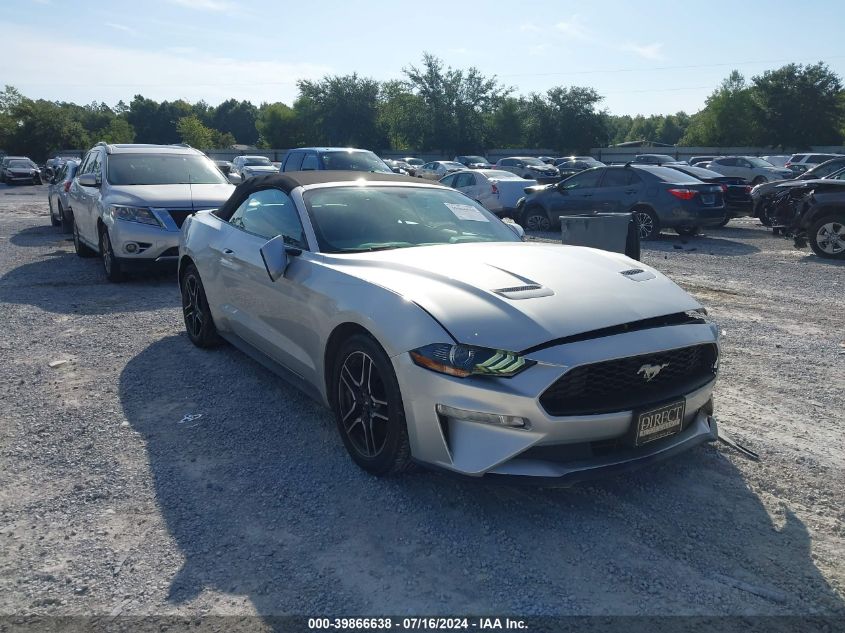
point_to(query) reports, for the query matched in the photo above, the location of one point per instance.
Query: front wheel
(647, 223)
(827, 237)
(110, 264)
(53, 220)
(198, 322)
(368, 408)
(759, 180)
(536, 219)
(725, 221)
(65, 218)
(81, 249)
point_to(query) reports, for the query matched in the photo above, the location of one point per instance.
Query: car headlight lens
(135, 214)
(700, 314)
(468, 360)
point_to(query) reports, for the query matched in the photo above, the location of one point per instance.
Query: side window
(615, 177)
(507, 162)
(634, 178)
(584, 180)
(727, 162)
(96, 166)
(309, 163)
(294, 161)
(83, 168)
(464, 180)
(428, 166)
(449, 181)
(268, 213)
(743, 163)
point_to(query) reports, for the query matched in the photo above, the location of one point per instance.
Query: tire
(368, 408)
(647, 222)
(632, 240)
(688, 231)
(195, 311)
(53, 219)
(759, 180)
(110, 264)
(827, 236)
(81, 249)
(725, 221)
(65, 219)
(536, 219)
(37, 181)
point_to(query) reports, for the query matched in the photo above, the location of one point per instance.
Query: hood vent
(637, 274)
(524, 292)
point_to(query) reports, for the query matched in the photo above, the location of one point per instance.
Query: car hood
(484, 294)
(171, 196)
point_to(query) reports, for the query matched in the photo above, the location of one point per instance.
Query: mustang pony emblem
(650, 372)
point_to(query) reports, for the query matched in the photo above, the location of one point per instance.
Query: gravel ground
(116, 498)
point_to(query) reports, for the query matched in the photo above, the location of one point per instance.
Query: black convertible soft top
(290, 180)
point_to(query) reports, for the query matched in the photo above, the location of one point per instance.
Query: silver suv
(128, 203)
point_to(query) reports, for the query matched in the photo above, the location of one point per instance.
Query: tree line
(439, 108)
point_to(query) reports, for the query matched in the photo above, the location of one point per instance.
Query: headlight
(701, 315)
(467, 360)
(135, 214)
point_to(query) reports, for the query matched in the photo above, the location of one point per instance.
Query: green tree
(237, 118)
(278, 126)
(566, 119)
(401, 115)
(728, 118)
(118, 130)
(506, 124)
(798, 106)
(194, 133)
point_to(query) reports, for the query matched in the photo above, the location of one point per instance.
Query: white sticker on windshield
(466, 212)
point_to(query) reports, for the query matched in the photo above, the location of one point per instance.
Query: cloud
(575, 28)
(157, 74)
(646, 51)
(120, 27)
(530, 27)
(206, 5)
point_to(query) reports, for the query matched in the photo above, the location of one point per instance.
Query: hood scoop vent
(530, 291)
(637, 274)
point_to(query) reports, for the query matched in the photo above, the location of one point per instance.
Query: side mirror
(88, 180)
(275, 257)
(234, 178)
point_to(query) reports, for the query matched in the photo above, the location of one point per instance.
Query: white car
(435, 170)
(754, 170)
(244, 167)
(496, 190)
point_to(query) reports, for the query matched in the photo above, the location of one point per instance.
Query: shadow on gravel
(263, 502)
(63, 283)
(706, 244)
(40, 235)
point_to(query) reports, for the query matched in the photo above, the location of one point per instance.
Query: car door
(617, 191)
(576, 194)
(85, 205)
(272, 316)
(470, 185)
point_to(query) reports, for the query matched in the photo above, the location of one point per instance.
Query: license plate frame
(655, 427)
(708, 198)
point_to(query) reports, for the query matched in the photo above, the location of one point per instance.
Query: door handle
(228, 251)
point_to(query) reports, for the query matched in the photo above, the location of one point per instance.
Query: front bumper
(478, 449)
(139, 245)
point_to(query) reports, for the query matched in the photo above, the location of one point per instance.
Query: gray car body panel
(408, 298)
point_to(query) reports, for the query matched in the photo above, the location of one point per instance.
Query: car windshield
(20, 164)
(162, 169)
(450, 164)
(256, 161)
(533, 161)
(759, 162)
(474, 159)
(354, 161)
(355, 219)
(658, 158)
(414, 161)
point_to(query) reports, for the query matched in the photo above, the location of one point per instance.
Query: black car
(17, 170)
(820, 219)
(737, 190)
(767, 194)
(659, 198)
(570, 166)
(474, 162)
(657, 159)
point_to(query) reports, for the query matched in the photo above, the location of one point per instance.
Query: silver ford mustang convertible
(437, 335)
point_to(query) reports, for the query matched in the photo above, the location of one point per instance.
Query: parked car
(398, 166)
(435, 335)
(414, 163)
(529, 168)
(496, 190)
(659, 197)
(248, 166)
(657, 159)
(769, 199)
(52, 166)
(224, 166)
(4, 161)
(737, 191)
(17, 170)
(568, 167)
(435, 170)
(57, 195)
(474, 162)
(549, 160)
(701, 160)
(128, 203)
(820, 219)
(778, 160)
(754, 170)
(823, 170)
(333, 158)
(799, 163)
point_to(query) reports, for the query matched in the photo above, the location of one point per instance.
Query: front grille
(619, 385)
(179, 215)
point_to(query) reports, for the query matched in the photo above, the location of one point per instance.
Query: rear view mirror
(275, 257)
(513, 226)
(88, 180)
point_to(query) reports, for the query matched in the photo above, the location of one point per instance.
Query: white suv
(128, 203)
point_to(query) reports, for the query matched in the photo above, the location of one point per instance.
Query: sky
(654, 57)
